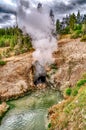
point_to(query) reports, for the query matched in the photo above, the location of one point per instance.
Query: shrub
(84, 76)
(12, 37)
(2, 43)
(66, 30)
(81, 82)
(17, 52)
(0, 56)
(2, 63)
(12, 43)
(22, 51)
(7, 42)
(68, 91)
(77, 27)
(53, 66)
(83, 39)
(76, 34)
(75, 92)
(49, 125)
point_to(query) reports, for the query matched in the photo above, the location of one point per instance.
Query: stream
(30, 112)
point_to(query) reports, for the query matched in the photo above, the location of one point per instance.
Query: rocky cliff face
(16, 77)
(70, 60)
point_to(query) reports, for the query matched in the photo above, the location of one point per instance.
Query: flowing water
(30, 112)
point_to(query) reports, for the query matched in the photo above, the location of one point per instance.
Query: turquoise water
(30, 112)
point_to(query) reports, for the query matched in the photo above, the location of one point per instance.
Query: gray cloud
(7, 15)
(64, 8)
(79, 2)
(4, 18)
(61, 8)
(25, 3)
(7, 9)
(7, 20)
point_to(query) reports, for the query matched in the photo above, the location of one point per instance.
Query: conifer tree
(78, 17)
(58, 27)
(72, 21)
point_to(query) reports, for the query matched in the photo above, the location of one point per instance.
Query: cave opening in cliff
(39, 73)
(40, 80)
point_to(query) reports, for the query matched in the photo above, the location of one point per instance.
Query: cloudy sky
(61, 8)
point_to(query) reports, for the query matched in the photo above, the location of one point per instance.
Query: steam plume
(37, 21)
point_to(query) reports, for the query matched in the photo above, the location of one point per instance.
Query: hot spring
(30, 112)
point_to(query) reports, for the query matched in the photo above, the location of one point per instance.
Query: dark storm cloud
(60, 7)
(79, 2)
(1, 20)
(7, 9)
(7, 14)
(4, 18)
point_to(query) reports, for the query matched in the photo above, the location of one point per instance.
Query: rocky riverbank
(3, 109)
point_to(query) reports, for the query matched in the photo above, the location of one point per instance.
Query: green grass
(6, 41)
(70, 113)
(81, 82)
(74, 91)
(81, 99)
(76, 34)
(11, 105)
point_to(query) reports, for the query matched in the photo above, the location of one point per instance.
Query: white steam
(36, 21)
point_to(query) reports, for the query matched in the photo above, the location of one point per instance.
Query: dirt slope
(70, 114)
(15, 76)
(70, 59)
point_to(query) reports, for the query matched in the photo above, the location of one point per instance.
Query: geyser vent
(40, 80)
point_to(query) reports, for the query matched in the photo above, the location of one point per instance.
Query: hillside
(69, 67)
(69, 114)
(15, 76)
(16, 79)
(70, 61)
